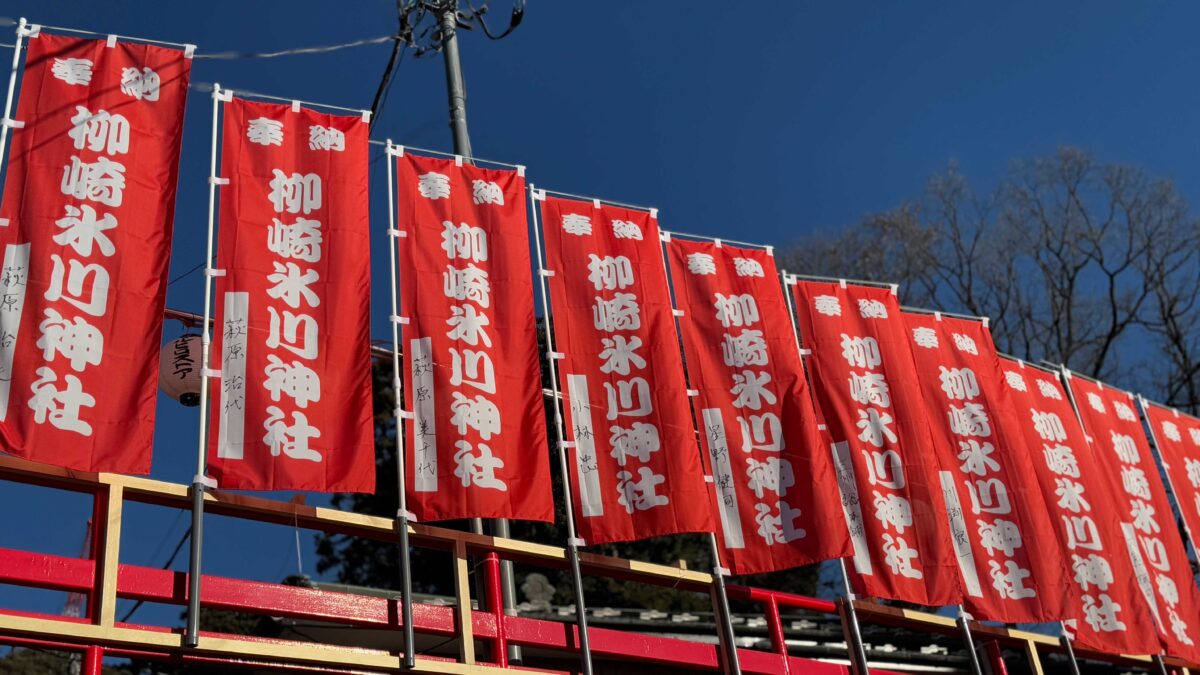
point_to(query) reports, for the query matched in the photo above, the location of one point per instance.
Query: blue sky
(760, 126)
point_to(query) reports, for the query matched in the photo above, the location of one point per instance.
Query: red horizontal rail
(166, 586)
(783, 599)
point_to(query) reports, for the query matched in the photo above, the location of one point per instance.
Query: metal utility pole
(456, 92)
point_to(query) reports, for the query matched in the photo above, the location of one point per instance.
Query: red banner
(1177, 437)
(866, 386)
(292, 407)
(775, 489)
(636, 464)
(1113, 616)
(1160, 563)
(86, 238)
(476, 444)
(998, 518)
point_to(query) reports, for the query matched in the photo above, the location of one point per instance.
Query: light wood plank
(463, 613)
(108, 533)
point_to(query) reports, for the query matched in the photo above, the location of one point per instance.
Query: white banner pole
(402, 515)
(719, 571)
(1065, 375)
(1156, 454)
(200, 479)
(573, 541)
(7, 122)
(850, 626)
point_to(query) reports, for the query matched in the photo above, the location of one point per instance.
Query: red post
(996, 658)
(93, 660)
(496, 607)
(775, 626)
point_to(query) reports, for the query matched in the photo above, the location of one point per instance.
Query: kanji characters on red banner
(88, 205)
(476, 442)
(292, 405)
(775, 489)
(1160, 563)
(997, 515)
(636, 465)
(1112, 614)
(1177, 437)
(866, 386)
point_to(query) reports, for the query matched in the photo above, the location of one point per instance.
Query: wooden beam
(342, 522)
(1031, 655)
(107, 533)
(462, 594)
(277, 650)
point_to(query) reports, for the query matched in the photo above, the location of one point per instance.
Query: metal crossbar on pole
(596, 200)
(402, 515)
(189, 49)
(7, 121)
(573, 541)
(856, 282)
(399, 150)
(283, 99)
(850, 627)
(720, 240)
(191, 636)
(727, 635)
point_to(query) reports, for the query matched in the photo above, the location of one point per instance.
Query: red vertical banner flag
(775, 490)
(637, 470)
(1141, 507)
(866, 386)
(1012, 568)
(476, 443)
(292, 405)
(1112, 616)
(1177, 437)
(85, 232)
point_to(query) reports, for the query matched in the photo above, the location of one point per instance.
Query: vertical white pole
(192, 632)
(965, 626)
(727, 635)
(1156, 452)
(1064, 375)
(410, 655)
(12, 86)
(573, 543)
(850, 627)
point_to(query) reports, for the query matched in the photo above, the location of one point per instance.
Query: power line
(323, 49)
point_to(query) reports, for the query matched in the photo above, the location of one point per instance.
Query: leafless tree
(1089, 264)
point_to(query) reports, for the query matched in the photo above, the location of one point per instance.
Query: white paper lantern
(179, 369)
